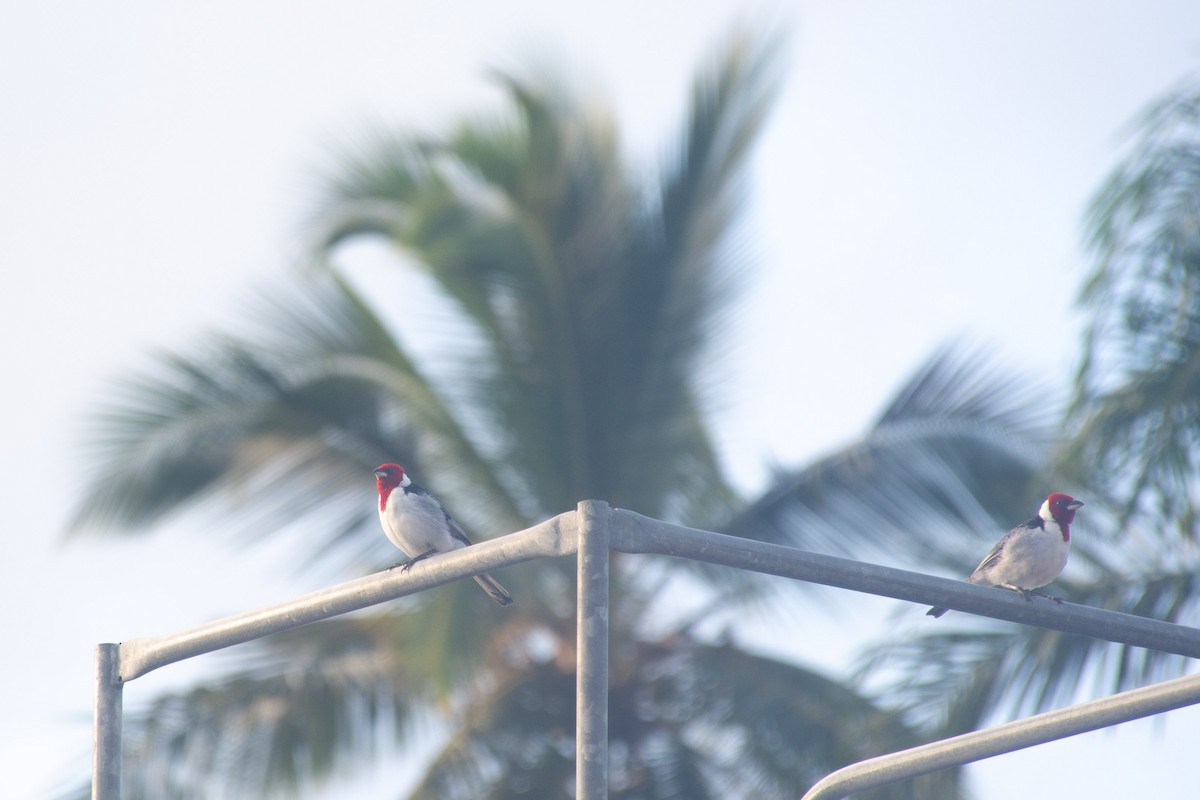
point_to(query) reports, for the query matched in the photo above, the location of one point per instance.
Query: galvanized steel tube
(633, 533)
(555, 537)
(1008, 737)
(106, 725)
(591, 691)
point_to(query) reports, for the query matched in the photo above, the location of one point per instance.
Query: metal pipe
(633, 533)
(106, 725)
(591, 691)
(554, 537)
(1010, 736)
(595, 529)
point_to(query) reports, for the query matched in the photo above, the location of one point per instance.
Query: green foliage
(686, 720)
(958, 447)
(593, 292)
(1137, 404)
(1134, 448)
(588, 296)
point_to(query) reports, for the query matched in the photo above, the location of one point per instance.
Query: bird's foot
(405, 566)
(1026, 593)
(1029, 594)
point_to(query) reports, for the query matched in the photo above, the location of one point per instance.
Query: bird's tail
(494, 589)
(936, 611)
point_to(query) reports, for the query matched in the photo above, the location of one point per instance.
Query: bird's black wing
(456, 530)
(992, 557)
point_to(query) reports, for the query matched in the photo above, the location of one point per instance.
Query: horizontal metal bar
(554, 537)
(1010, 736)
(633, 533)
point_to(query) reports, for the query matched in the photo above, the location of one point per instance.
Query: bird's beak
(1073, 505)
(379, 473)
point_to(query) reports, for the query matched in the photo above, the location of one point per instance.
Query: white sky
(923, 178)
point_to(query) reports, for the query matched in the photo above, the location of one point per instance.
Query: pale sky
(923, 178)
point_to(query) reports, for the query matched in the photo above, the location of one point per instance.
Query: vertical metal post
(591, 695)
(106, 725)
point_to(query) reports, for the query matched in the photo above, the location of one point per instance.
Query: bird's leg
(1029, 594)
(1026, 593)
(405, 566)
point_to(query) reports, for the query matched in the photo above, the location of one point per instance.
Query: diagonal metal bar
(555, 537)
(1010, 736)
(591, 678)
(633, 533)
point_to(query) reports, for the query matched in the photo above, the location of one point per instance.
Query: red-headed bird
(1032, 554)
(419, 525)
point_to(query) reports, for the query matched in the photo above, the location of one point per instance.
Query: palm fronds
(956, 449)
(1136, 406)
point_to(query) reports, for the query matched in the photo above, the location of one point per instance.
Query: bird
(419, 525)
(1032, 554)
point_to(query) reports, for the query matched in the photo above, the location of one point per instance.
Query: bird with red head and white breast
(1032, 554)
(419, 525)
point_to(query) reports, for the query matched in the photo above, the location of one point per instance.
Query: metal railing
(591, 532)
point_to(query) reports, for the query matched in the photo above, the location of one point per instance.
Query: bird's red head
(1062, 508)
(387, 478)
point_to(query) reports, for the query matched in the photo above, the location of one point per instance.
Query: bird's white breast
(416, 523)
(1032, 558)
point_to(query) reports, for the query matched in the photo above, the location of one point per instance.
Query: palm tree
(1134, 447)
(579, 305)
